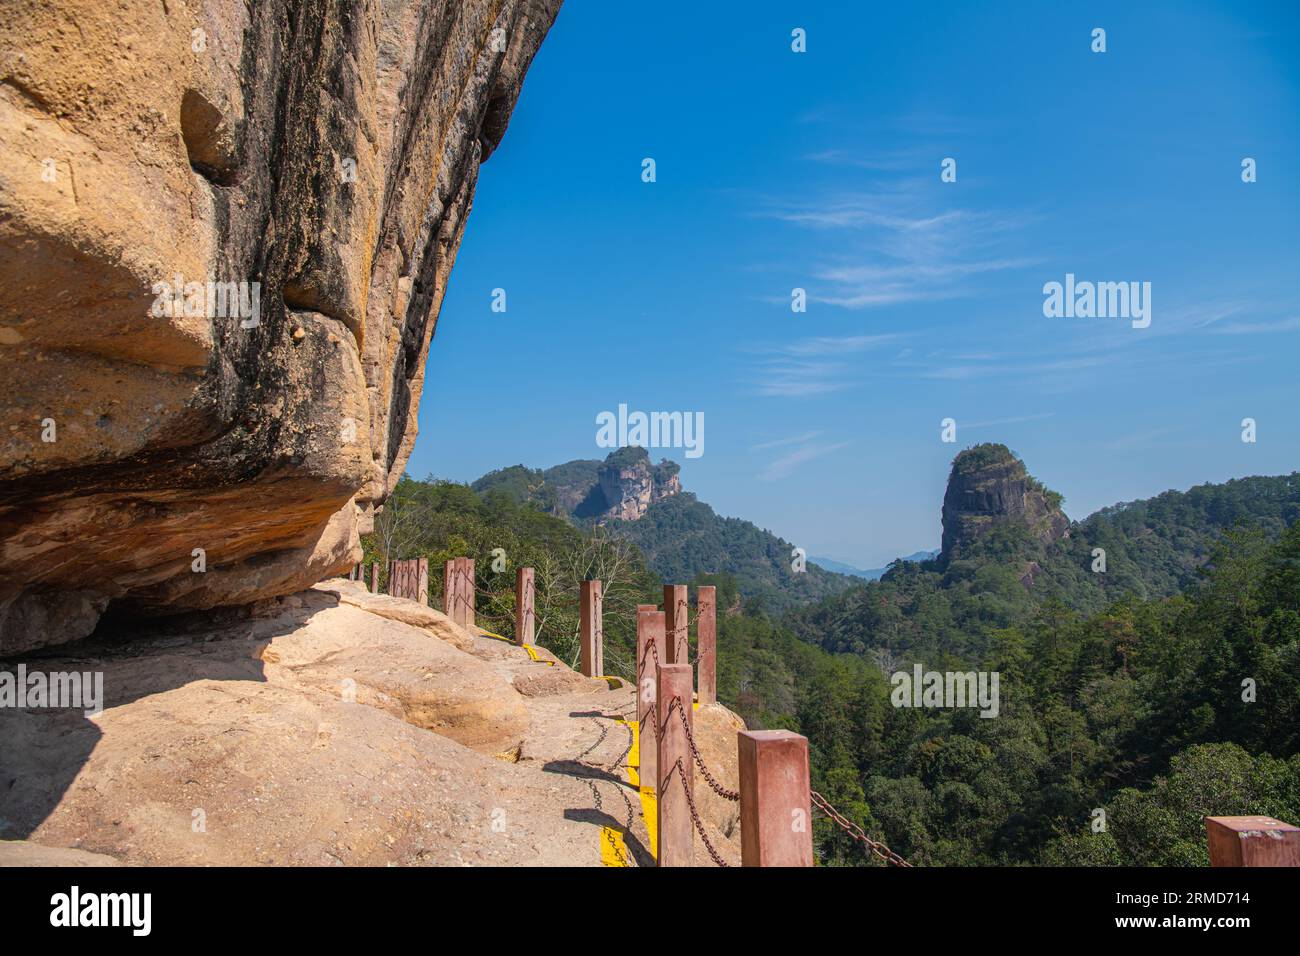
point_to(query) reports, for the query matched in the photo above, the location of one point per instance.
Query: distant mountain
(1009, 552)
(680, 536)
(621, 487)
(869, 574)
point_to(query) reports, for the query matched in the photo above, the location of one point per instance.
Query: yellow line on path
(649, 803)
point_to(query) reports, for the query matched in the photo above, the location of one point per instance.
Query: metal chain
(604, 732)
(650, 645)
(622, 758)
(855, 831)
(695, 814)
(595, 790)
(719, 789)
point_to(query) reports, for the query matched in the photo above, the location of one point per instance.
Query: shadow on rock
(45, 748)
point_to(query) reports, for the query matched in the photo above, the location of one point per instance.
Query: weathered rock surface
(629, 484)
(323, 733)
(989, 487)
(322, 152)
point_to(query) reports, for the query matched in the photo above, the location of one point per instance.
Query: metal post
(590, 618)
(449, 588)
(649, 637)
(467, 583)
(676, 773)
(1252, 841)
(676, 611)
(525, 616)
(706, 643)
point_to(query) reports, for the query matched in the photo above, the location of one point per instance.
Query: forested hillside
(1137, 712)
(678, 535)
(682, 537)
(1137, 709)
(951, 607)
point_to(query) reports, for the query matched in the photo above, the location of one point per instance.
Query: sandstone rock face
(225, 233)
(989, 487)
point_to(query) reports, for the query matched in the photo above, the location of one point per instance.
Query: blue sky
(821, 170)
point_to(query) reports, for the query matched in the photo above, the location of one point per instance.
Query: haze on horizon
(821, 170)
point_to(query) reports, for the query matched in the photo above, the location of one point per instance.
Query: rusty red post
(1252, 841)
(644, 633)
(676, 769)
(449, 588)
(706, 643)
(649, 637)
(775, 799)
(463, 593)
(525, 616)
(676, 611)
(374, 577)
(590, 618)
(467, 590)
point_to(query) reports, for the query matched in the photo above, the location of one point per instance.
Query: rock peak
(988, 488)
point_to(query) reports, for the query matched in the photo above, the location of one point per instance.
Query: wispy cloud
(786, 464)
(892, 161)
(1257, 328)
(904, 247)
(810, 366)
(782, 442)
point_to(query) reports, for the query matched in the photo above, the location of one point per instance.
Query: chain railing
(855, 831)
(597, 800)
(651, 650)
(676, 704)
(732, 795)
(695, 813)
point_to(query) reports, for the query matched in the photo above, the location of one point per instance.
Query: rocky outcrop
(621, 487)
(989, 487)
(629, 484)
(225, 232)
(334, 727)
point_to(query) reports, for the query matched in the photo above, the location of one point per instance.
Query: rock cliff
(225, 233)
(989, 488)
(629, 484)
